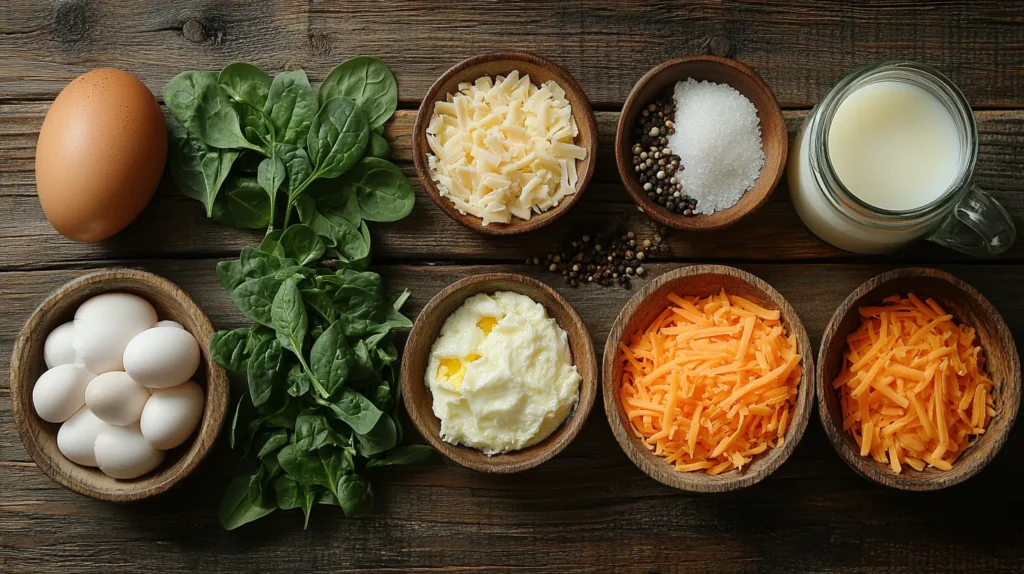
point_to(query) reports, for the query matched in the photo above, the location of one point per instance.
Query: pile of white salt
(718, 140)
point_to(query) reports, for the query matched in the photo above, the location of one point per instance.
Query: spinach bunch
(258, 151)
(322, 404)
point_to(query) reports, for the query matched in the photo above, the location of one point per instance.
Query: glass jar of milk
(886, 158)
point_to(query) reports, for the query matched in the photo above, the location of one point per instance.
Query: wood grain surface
(588, 508)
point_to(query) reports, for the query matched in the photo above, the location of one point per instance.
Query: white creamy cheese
(504, 148)
(501, 374)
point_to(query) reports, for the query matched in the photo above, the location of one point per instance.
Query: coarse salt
(718, 140)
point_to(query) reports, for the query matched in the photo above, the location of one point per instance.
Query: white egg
(122, 452)
(169, 323)
(105, 324)
(172, 414)
(60, 392)
(76, 438)
(116, 398)
(162, 357)
(59, 347)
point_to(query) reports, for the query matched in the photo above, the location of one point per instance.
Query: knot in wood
(718, 46)
(194, 31)
(319, 44)
(72, 22)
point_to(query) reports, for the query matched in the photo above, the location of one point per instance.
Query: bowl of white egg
(114, 393)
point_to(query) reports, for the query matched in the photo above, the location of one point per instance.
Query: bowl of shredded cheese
(708, 379)
(918, 380)
(505, 142)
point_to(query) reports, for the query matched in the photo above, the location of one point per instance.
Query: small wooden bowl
(774, 139)
(502, 63)
(644, 307)
(40, 437)
(419, 401)
(967, 306)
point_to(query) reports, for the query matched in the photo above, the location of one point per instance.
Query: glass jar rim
(828, 107)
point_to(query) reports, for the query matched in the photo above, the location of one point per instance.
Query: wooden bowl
(40, 437)
(967, 306)
(644, 307)
(774, 139)
(501, 63)
(419, 401)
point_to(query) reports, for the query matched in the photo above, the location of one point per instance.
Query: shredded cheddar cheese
(710, 383)
(913, 386)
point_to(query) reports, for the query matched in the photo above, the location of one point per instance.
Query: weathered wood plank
(174, 226)
(588, 506)
(801, 48)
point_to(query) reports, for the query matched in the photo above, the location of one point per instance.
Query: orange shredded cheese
(709, 384)
(913, 386)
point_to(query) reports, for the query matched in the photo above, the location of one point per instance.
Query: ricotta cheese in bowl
(501, 374)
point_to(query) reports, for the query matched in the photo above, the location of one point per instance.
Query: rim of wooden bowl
(774, 136)
(39, 437)
(631, 318)
(996, 335)
(502, 63)
(418, 399)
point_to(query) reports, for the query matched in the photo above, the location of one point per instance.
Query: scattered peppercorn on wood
(711, 382)
(913, 385)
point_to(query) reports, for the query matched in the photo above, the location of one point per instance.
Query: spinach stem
(316, 383)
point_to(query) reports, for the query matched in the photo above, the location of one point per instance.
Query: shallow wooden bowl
(40, 437)
(501, 63)
(644, 307)
(419, 401)
(774, 140)
(967, 306)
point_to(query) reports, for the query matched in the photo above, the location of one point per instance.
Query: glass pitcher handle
(978, 225)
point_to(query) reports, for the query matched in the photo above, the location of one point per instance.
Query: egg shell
(169, 323)
(115, 398)
(59, 348)
(123, 453)
(100, 154)
(60, 392)
(162, 357)
(76, 438)
(172, 414)
(105, 324)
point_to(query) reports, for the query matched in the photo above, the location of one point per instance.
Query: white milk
(895, 147)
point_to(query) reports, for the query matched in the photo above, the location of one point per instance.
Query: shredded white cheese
(504, 148)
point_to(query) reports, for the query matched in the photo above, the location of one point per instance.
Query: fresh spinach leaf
(378, 147)
(302, 244)
(275, 442)
(331, 359)
(312, 431)
(254, 298)
(356, 411)
(368, 82)
(355, 494)
(230, 274)
(403, 455)
(337, 138)
(244, 425)
(197, 102)
(298, 381)
(271, 245)
(350, 242)
(229, 349)
(288, 317)
(236, 509)
(264, 371)
(291, 106)
(270, 176)
(197, 169)
(287, 492)
(360, 311)
(242, 204)
(383, 436)
(245, 83)
(300, 170)
(381, 190)
(319, 301)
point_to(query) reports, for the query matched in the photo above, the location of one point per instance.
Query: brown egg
(100, 154)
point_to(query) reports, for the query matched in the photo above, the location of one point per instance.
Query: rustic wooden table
(589, 508)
